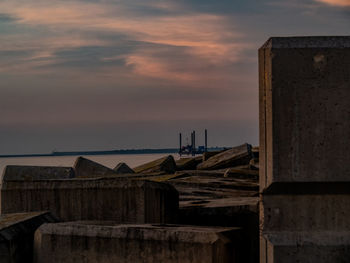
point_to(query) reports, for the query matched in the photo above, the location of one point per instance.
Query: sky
(104, 75)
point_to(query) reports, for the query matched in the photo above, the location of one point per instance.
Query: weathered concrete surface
(304, 109)
(121, 200)
(166, 164)
(85, 168)
(189, 163)
(17, 235)
(304, 156)
(306, 212)
(123, 168)
(239, 155)
(93, 242)
(308, 247)
(21, 172)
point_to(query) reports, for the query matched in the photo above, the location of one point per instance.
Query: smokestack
(206, 140)
(180, 137)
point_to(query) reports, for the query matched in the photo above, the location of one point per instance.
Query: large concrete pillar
(304, 149)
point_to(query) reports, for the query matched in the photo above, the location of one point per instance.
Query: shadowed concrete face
(124, 201)
(17, 234)
(103, 242)
(304, 156)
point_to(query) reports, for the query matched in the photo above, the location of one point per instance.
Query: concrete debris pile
(161, 211)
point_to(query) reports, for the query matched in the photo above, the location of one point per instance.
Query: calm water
(108, 160)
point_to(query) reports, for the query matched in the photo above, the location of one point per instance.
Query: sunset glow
(80, 67)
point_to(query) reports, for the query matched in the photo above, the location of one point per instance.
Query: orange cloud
(335, 2)
(206, 36)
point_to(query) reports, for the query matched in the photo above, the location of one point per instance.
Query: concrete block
(17, 235)
(121, 200)
(189, 163)
(235, 156)
(21, 172)
(207, 155)
(85, 168)
(166, 164)
(123, 168)
(91, 242)
(304, 109)
(304, 159)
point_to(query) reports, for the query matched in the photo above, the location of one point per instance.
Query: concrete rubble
(296, 181)
(17, 235)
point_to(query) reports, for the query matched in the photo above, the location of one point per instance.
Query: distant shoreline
(128, 151)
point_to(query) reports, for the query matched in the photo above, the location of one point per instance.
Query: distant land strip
(127, 151)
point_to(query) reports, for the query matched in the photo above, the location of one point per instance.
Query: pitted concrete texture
(121, 200)
(21, 172)
(17, 235)
(85, 168)
(304, 110)
(92, 242)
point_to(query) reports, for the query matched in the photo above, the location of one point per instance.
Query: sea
(110, 160)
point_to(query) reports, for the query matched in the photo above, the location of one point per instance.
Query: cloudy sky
(90, 75)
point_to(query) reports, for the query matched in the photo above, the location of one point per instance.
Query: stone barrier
(120, 200)
(93, 242)
(304, 149)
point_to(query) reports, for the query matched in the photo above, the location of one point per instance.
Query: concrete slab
(189, 163)
(166, 164)
(85, 168)
(22, 172)
(123, 168)
(235, 156)
(121, 200)
(91, 242)
(17, 235)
